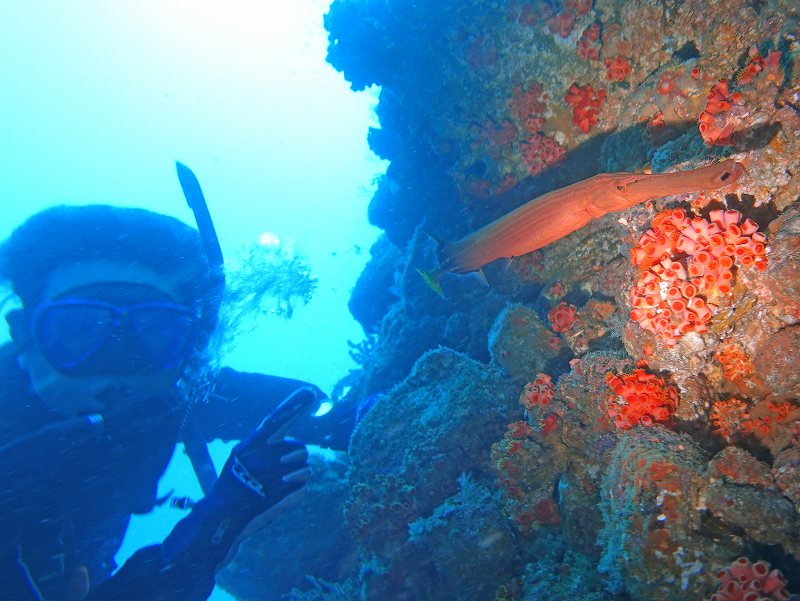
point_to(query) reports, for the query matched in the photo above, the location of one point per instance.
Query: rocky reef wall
(617, 414)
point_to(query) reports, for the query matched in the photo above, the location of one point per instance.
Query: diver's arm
(240, 401)
(146, 577)
(264, 474)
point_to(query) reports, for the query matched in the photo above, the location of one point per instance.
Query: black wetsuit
(66, 497)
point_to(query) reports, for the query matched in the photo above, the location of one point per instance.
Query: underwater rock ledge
(615, 416)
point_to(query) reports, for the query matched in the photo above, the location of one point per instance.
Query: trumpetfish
(552, 216)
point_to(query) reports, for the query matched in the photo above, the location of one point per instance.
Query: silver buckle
(243, 475)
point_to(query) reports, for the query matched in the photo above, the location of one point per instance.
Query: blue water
(99, 99)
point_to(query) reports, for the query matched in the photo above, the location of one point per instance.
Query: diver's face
(79, 364)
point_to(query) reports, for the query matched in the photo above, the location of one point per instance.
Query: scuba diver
(104, 375)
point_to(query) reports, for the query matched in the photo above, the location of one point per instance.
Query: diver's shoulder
(229, 379)
(20, 409)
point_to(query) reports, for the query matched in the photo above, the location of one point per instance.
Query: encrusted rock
(521, 344)
(766, 516)
(778, 362)
(786, 471)
(735, 465)
(409, 451)
(652, 538)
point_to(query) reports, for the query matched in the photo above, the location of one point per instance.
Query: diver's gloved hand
(266, 468)
(265, 472)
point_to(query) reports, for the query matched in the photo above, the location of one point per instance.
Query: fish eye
(725, 176)
(621, 187)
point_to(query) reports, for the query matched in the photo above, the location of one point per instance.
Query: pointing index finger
(277, 424)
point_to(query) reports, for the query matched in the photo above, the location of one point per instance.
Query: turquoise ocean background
(99, 99)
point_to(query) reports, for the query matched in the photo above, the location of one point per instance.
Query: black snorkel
(196, 447)
(197, 202)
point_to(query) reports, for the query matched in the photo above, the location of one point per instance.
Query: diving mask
(121, 329)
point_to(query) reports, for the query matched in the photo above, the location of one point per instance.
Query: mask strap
(19, 327)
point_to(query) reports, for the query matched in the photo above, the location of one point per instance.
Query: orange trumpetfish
(551, 216)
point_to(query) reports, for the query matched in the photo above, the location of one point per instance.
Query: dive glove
(263, 474)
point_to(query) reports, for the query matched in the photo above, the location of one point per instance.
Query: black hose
(75, 427)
